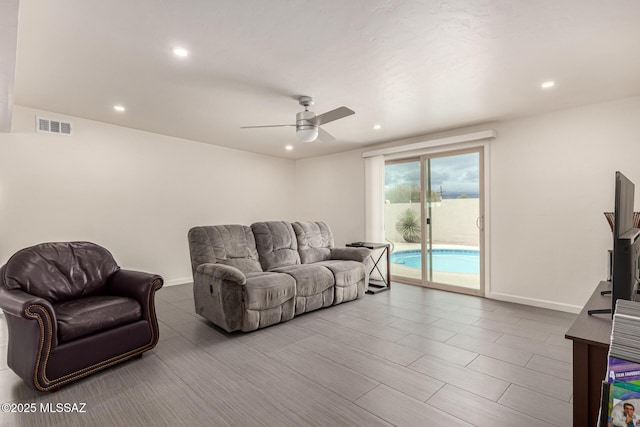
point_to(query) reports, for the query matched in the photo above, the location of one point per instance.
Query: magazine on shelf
(620, 398)
(624, 398)
(620, 370)
(625, 336)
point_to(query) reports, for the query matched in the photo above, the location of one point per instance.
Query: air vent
(53, 126)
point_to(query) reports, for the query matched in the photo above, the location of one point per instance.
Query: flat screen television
(626, 246)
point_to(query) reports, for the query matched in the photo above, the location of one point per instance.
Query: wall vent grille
(53, 126)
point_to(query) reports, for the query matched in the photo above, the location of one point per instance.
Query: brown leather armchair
(71, 311)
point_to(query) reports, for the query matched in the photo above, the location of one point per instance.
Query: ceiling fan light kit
(306, 131)
(308, 124)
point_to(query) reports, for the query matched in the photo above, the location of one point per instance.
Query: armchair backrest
(60, 271)
(232, 245)
(277, 244)
(315, 241)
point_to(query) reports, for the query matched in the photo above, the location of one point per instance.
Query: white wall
(134, 192)
(331, 189)
(137, 193)
(551, 177)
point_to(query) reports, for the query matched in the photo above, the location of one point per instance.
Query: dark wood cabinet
(591, 336)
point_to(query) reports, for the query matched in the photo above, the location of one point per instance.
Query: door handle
(479, 222)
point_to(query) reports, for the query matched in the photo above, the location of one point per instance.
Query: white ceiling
(415, 67)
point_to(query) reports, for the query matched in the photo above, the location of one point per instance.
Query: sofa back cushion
(60, 271)
(315, 241)
(232, 245)
(276, 243)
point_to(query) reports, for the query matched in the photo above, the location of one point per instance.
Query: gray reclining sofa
(246, 278)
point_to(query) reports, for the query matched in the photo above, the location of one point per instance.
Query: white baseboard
(175, 282)
(569, 308)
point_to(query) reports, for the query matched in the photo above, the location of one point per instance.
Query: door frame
(445, 286)
(483, 188)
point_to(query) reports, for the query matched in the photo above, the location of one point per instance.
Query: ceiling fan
(308, 124)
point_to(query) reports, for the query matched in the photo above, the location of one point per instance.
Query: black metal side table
(376, 286)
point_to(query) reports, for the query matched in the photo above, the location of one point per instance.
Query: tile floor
(411, 356)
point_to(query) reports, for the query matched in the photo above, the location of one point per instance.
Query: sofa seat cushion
(84, 316)
(346, 273)
(314, 286)
(265, 290)
(351, 279)
(310, 279)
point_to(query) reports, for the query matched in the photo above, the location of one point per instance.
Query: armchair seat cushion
(84, 316)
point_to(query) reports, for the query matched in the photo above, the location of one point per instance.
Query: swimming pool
(449, 260)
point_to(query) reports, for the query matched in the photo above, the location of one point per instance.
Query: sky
(456, 174)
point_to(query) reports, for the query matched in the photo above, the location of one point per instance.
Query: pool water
(449, 260)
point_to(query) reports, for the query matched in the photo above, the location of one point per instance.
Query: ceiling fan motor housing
(306, 130)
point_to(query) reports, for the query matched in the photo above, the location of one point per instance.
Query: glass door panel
(402, 218)
(453, 220)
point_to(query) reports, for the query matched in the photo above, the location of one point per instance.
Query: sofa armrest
(219, 294)
(138, 285)
(351, 254)
(222, 272)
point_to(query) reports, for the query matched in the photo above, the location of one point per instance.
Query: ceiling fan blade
(332, 115)
(325, 136)
(267, 126)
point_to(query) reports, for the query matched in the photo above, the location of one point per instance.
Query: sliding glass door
(434, 220)
(403, 218)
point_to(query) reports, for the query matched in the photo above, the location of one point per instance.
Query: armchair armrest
(138, 285)
(222, 272)
(18, 303)
(351, 254)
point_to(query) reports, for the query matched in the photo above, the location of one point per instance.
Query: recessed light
(548, 84)
(180, 52)
(377, 126)
(119, 108)
(289, 147)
